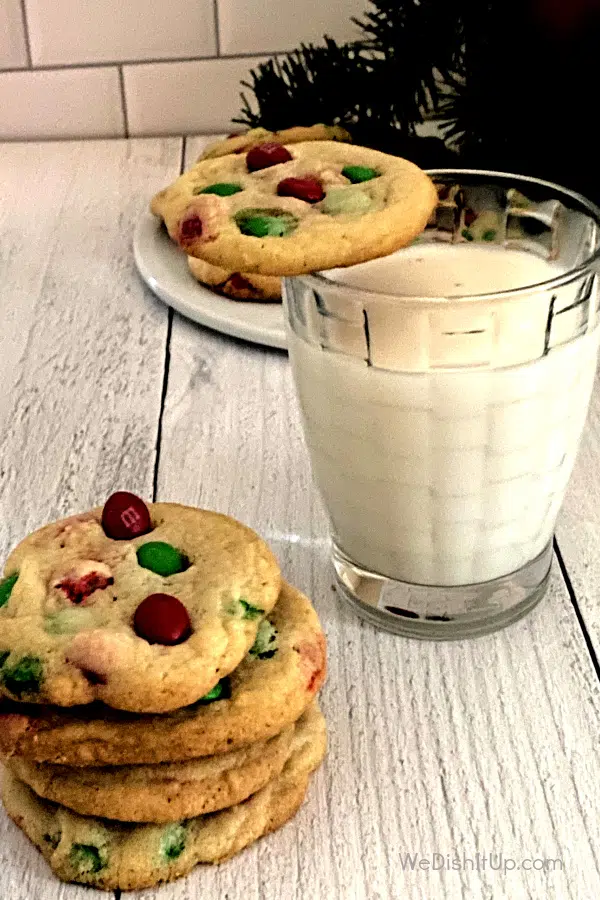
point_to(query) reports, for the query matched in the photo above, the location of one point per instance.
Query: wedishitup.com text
(479, 862)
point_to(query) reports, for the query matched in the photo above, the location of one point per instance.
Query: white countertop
(486, 746)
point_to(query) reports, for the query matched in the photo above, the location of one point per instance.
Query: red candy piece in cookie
(85, 579)
(308, 189)
(265, 155)
(190, 229)
(125, 516)
(162, 619)
(239, 283)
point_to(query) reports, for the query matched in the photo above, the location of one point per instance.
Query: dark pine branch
(511, 81)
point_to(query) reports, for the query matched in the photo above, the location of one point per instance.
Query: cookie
(241, 143)
(271, 688)
(113, 856)
(236, 285)
(143, 607)
(287, 210)
(165, 792)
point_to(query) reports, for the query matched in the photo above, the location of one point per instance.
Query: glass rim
(321, 282)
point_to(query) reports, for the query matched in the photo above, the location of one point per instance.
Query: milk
(454, 474)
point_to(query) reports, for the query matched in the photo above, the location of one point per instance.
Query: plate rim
(148, 227)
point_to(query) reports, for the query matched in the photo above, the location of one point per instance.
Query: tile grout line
(165, 384)
(26, 36)
(217, 26)
(123, 102)
(135, 63)
(572, 597)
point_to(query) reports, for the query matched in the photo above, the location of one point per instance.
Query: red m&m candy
(162, 619)
(239, 283)
(125, 516)
(266, 155)
(308, 189)
(190, 228)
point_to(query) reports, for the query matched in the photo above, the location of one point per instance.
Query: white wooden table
(488, 746)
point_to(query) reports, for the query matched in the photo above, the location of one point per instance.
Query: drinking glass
(443, 391)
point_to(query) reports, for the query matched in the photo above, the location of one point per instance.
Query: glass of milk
(444, 390)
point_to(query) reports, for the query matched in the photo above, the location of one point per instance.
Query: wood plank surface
(82, 350)
(578, 531)
(485, 746)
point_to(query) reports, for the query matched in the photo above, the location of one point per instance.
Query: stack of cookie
(249, 285)
(159, 683)
(245, 285)
(268, 209)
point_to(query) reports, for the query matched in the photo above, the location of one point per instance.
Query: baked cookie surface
(291, 209)
(165, 792)
(146, 614)
(236, 285)
(269, 690)
(254, 137)
(110, 855)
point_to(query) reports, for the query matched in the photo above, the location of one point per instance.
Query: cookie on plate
(113, 855)
(254, 137)
(164, 792)
(271, 689)
(236, 285)
(146, 608)
(286, 210)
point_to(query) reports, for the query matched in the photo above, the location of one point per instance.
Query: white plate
(165, 270)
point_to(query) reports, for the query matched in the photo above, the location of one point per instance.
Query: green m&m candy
(266, 222)
(249, 611)
(172, 843)
(266, 645)
(340, 201)
(221, 691)
(162, 558)
(357, 174)
(6, 586)
(24, 676)
(221, 189)
(88, 859)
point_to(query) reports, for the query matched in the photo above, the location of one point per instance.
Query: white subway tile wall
(13, 49)
(184, 97)
(258, 26)
(108, 68)
(111, 30)
(61, 103)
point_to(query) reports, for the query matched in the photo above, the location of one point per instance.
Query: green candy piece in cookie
(24, 676)
(265, 645)
(265, 222)
(70, 621)
(251, 612)
(345, 201)
(358, 174)
(88, 859)
(221, 691)
(161, 558)
(172, 843)
(221, 189)
(6, 586)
